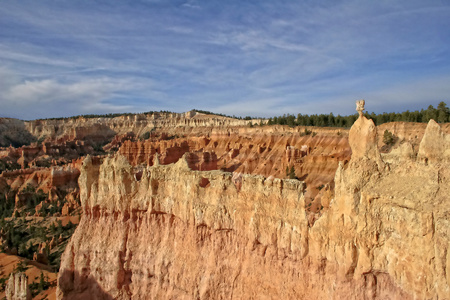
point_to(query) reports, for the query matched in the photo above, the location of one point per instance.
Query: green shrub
(20, 267)
(306, 132)
(290, 172)
(388, 138)
(145, 136)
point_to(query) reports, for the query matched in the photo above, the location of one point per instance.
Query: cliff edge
(167, 232)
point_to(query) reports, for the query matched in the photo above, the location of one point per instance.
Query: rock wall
(102, 129)
(43, 178)
(167, 232)
(252, 151)
(13, 132)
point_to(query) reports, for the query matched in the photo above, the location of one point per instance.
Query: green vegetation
(35, 287)
(441, 114)
(17, 142)
(3, 281)
(108, 116)
(33, 197)
(388, 138)
(6, 206)
(20, 267)
(211, 113)
(25, 234)
(42, 285)
(145, 136)
(306, 132)
(41, 140)
(6, 165)
(290, 172)
(98, 148)
(223, 115)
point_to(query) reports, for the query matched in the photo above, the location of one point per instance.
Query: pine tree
(43, 284)
(52, 228)
(388, 137)
(23, 250)
(430, 113)
(59, 228)
(443, 113)
(292, 173)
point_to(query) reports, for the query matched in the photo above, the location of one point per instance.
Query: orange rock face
(54, 183)
(314, 158)
(168, 232)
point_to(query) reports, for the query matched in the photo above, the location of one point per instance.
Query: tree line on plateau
(441, 114)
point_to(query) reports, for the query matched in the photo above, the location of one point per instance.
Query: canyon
(194, 206)
(171, 232)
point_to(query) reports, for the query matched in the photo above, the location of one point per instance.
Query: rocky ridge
(171, 232)
(105, 128)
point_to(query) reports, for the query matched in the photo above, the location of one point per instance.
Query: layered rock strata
(314, 158)
(99, 129)
(167, 232)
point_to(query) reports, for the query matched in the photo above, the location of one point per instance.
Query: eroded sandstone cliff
(168, 232)
(313, 157)
(103, 129)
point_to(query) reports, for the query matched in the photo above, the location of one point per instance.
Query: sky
(256, 58)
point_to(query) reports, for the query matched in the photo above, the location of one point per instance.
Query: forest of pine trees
(441, 114)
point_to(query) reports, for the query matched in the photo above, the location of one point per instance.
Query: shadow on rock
(75, 286)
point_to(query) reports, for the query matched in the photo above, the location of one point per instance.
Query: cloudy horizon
(256, 58)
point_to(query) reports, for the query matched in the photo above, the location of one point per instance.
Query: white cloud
(254, 39)
(257, 59)
(191, 4)
(6, 53)
(49, 97)
(51, 91)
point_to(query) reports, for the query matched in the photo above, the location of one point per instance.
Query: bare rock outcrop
(168, 232)
(104, 129)
(314, 158)
(13, 132)
(17, 287)
(435, 145)
(363, 140)
(180, 212)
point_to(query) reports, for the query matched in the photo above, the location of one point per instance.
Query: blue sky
(258, 58)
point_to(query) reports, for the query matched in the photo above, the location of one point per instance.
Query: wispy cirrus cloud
(53, 98)
(263, 57)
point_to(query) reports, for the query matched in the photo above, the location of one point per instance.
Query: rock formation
(56, 182)
(104, 129)
(17, 287)
(252, 151)
(168, 232)
(360, 107)
(435, 145)
(13, 132)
